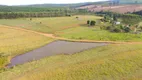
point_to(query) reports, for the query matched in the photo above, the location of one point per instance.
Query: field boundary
(73, 40)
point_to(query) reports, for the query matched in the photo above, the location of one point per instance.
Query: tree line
(138, 13)
(131, 19)
(29, 9)
(7, 12)
(126, 23)
(12, 15)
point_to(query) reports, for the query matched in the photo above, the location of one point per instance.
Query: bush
(117, 30)
(77, 17)
(88, 22)
(122, 27)
(30, 19)
(127, 29)
(92, 23)
(109, 28)
(69, 15)
(140, 27)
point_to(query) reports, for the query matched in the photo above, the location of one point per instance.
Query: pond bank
(54, 48)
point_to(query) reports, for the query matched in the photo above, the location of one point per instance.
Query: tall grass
(112, 62)
(14, 42)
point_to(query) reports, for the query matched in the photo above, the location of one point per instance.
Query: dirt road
(61, 38)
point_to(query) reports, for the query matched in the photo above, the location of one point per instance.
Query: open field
(85, 33)
(108, 62)
(71, 28)
(119, 61)
(100, 40)
(49, 25)
(14, 42)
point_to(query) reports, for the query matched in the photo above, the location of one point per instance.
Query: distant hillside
(130, 1)
(68, 5)
(48, 7)
(60, 5)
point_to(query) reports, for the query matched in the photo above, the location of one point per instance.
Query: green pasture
(94, 33)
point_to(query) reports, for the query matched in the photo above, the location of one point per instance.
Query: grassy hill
(68, 5)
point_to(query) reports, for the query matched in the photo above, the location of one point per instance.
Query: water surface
(53, 48)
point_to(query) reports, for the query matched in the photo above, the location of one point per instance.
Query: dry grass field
(14, 42)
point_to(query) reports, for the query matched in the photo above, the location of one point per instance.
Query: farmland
(120, 59)
(117, 8)
(71, 28)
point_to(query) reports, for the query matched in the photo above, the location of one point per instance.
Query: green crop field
(112, 62)
(14, 42)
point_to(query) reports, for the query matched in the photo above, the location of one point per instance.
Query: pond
(53, 48)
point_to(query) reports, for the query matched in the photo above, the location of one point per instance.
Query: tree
(114, 18)
(88, 22)
(127, 29)
(117, 30)
(92, 23)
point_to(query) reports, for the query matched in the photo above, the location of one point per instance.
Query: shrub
(127, 29)
(88, 22)
(109, 28)
(92, 23)
(122, 27)
(117, 30)
(30, 19)
(115, 18)
(140, 27)
(69, 15)
(77, 17)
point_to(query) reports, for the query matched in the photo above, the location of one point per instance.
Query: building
(117, 23)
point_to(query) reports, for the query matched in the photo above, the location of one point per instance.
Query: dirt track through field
(66, 39)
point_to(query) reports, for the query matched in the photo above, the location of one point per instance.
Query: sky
(27, 2)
